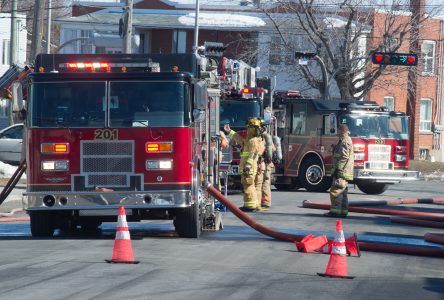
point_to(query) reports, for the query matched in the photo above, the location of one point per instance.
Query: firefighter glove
(247, 168)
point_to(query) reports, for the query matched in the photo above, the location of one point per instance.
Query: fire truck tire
(373, 188)
(312, 177)
(187, 222)
(42, 223)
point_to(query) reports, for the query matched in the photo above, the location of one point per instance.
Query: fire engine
(308, 130)
(241, 98)
(120, 129)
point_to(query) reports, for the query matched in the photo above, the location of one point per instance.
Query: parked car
(11, 140)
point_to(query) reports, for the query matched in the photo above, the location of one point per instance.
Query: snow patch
(222, 20)
(6, 171)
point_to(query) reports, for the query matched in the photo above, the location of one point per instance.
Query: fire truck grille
(107, 163)
(378, 153)
(107, 180)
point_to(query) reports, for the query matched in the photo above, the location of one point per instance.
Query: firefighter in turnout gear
(343, 161)
(252, 148)
(265, 168)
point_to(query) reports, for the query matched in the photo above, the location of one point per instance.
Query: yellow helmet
(253, 122)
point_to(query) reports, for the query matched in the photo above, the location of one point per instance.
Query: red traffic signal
(391, 58)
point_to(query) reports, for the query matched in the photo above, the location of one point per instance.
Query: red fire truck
(109, 130)
(308, 131)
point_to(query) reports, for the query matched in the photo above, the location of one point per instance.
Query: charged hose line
(417, 222)
(434, 238)
(381, 211)
(12, 182)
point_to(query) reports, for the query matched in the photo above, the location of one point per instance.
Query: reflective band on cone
(122, 251)
(337, 264)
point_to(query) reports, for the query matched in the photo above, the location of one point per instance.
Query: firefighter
(343, 161)
(252, 148)
(266, 167)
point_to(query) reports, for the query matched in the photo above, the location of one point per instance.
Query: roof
(147, 18)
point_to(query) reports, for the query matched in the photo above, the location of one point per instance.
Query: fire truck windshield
(126, 103)
(236, 112)
(376, 125)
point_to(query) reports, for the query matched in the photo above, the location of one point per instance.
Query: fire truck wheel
(372, 188)
(42, 223)
(187, 222)
(312, 177)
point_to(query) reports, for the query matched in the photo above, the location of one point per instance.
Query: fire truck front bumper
(385, 176)
(106, 200)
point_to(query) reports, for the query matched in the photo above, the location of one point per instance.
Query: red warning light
(411, 60)
(378, 57)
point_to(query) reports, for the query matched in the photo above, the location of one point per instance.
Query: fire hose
(370, 246)
(381, 211)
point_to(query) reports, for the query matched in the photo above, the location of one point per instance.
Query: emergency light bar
(101, 65)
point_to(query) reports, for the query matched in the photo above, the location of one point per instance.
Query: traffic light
(214, 49)
(398, 59)
(304, 55)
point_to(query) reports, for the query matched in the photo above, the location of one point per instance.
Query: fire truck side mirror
(17, 96)
(200, 95)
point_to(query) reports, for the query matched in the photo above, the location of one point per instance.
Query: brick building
(422, 97)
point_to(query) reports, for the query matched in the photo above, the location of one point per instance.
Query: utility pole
(128, 27)
(417, 8)
(196, 27)
(13, 39)
(48, 29)
(37, 28)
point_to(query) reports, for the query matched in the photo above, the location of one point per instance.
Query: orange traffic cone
(311, 244)
(122, 252)
(337, 264)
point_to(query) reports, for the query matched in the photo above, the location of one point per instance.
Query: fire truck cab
(308, 130)
(109, 130)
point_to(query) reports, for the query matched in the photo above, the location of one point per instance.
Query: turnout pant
(338, 196)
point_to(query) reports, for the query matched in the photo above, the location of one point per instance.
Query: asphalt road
(235, 263)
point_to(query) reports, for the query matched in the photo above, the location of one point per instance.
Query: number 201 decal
(379, 142)
(106, 134)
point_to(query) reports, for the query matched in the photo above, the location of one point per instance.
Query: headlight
(159, 164)
(359, 156)
(55, 165)
(400, 157)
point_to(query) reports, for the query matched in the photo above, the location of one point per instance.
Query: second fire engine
(308, 130)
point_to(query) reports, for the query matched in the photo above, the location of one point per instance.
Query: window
(425, 115)
(423, 154)
(5, 56)
(428, 53)
(179, 41)
(86, 46)
(299, 119)
(389, 102)
(274, 56)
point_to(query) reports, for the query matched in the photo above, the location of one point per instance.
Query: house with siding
(168, 26)
(5, 36)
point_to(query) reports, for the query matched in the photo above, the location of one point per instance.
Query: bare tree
(343, 34)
